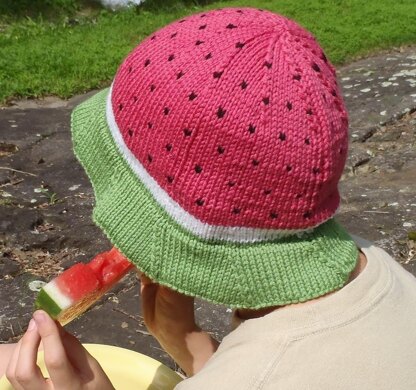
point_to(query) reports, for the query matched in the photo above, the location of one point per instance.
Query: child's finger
(59, 367)
(27, 373)
(148, 292)
(11, 368)
(144, 280)
(80, 358)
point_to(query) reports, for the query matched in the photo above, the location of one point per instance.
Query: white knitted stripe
(57, 296)
(180, 215)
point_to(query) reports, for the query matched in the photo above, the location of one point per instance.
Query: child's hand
(170, 318)
(167, 314)
(69, 364)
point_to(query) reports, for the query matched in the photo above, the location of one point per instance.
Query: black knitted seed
(169, 179)
(149, 158)
(217, 75)
(171, 57)
(288, 168)
(199, 202)
(266, 101)
(273, 215)
(251, 129)
(202, 27)
(316, 67)
(282, 136)
(166, 110)
(307, 141)
(187, 132)
(147, 62)
(130, 132)
(221, 112)
(199, 42)
(236, 210)
(316, 170)
(174, 35)
(149, 125)
(307, 215)
(239, 45)
(198, 169)
(255, 162)
(297, 77)
(309, 111)
(168, 147)
(231, 26)
(231, 184)
(243, 85)
(208, 56)
(192, 96)
(220, 150)
(267, 192)
(152, 88)
(179, 75)
(120, 107)
(267, 64)
(289, 105)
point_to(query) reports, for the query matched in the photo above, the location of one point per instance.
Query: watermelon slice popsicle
(77, 288)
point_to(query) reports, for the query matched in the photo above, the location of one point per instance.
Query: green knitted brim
(239, 275)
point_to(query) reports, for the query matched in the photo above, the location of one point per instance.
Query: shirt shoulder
(237, 364)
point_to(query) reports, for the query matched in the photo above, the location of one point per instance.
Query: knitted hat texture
(227, 131)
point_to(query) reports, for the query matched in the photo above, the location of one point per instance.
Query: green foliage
(168, 5)
(77, 51)
(36, 7)
(51, 196)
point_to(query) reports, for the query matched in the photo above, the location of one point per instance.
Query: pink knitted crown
(233, 118)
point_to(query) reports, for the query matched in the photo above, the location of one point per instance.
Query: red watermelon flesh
(78, 281)
(109, 267)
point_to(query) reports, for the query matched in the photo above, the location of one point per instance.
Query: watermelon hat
(215, 158)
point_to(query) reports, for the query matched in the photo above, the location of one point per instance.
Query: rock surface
(46, 200)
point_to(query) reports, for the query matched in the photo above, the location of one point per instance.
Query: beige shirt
(361, 337)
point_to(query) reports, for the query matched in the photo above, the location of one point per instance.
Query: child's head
(215, 158)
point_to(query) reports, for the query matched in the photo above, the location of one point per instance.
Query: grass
(76, 50)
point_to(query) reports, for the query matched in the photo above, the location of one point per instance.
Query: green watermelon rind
(46, 303)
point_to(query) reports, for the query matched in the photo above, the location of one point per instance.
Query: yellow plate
(126, 369)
